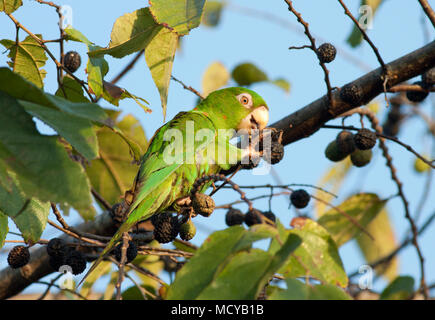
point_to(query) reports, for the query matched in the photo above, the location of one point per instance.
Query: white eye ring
(245, 100)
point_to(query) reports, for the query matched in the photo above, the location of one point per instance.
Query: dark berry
(72, 61)
(326, 52)
(417, 96)
(57, 247)
(360, 158)
(203, 204)
(187, 231)
(365, 139)
(300, 198)
(56, 262)
(166, 228)
(270, 215)
(352, 94)
(332, 152)
(345, 144)
(428, 77)
(234, 217)
(130, 254)
(18, 257)
(252, 217)
(276, 153)
(76, 260)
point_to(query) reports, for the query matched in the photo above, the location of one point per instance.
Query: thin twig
(121, 265)
(313, 47)
(47, 290)
(188, 87)
(428, 10)
(58, 64)
(365, 36)
(389, 162)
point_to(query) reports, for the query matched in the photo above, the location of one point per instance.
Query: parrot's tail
(123, 228)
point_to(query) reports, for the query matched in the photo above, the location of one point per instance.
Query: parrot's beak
(257, 119)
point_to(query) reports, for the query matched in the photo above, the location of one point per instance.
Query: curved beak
(257, 119)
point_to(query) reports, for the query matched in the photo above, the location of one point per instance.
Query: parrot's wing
(155, 172)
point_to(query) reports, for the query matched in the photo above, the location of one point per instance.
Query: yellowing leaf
(178, 15)
(159, 55)
(361, 208)
(10, 6)
(131, 33)
(215, 77)
(383, 244)
(27, 59)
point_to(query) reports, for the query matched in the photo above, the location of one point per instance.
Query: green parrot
(193, 144)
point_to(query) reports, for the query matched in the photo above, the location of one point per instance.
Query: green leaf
(9, 6)
(76, 130)
(247, 273)
(363, 208)
(5, 180)
(27, 59)
(131, 33)
(17, 87)
(356, 37)
(71, 90)
(217, 250)
(75, 35)
(212, 13)
(402, 288)
(113, 172)
(282, 83)
(103, 268)
(112, 93)
(246, 74)
(317, 256)
(296, 290)
(180, 16)
(97, 68)
(4, 228)
(215, 77)
(29, 215)
(159, 56)
(44, 169)
(384, 243)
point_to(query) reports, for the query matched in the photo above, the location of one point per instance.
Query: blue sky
(240, 37)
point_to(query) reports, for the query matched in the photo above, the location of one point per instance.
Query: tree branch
(309, 119)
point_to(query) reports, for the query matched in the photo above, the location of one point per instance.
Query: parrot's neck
(217, 116)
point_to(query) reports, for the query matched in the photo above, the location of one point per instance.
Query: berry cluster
(236, 217)
(131, 252)
(61, 254)
(357, 146)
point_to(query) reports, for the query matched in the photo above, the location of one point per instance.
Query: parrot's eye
(245, 99)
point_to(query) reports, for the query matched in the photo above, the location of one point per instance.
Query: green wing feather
(158, 184)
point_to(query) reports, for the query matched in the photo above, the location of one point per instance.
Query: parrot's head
(236, 108)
